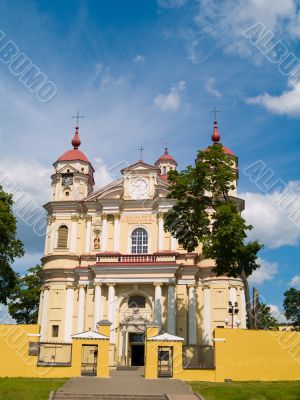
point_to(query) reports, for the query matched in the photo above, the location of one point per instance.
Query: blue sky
(148, 73)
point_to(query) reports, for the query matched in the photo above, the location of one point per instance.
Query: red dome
(166, 157)
(216, 137)
(228, 151)
(73, 155)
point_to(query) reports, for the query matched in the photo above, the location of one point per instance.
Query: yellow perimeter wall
(15, 361)
(241, 355)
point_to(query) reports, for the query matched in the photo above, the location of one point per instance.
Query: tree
(24, 299)
(291, 306)
(264, 317)
(10, 247)
(205, 213)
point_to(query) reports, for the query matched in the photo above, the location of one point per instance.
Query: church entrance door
(137, 344)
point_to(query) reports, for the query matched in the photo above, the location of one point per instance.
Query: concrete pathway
(127, 382)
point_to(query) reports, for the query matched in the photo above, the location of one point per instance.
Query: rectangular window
(55, 330)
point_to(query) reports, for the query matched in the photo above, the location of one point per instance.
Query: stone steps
(98, 396)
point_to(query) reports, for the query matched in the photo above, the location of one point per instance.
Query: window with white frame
(139, 241)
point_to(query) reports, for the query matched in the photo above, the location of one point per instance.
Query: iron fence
(54, 354)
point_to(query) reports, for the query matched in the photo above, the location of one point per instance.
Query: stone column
(116, 232)
(124, 341)
(104, 233)
(243, 310)
(73, 235)
(44, 316)
(173, 244)
(232, 297)
(69, 313)
(97, 304)
(81, 307)
(157, 304)
(171, 309)
(192, 317)
(111, 310)
(206, 315)
(160, 244)
(87, 246)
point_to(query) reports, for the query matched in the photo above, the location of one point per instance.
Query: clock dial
(139, 189)
(67, 179)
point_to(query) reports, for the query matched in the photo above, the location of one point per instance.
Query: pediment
(67, 169)
(139, 167)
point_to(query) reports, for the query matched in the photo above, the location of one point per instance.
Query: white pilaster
(51, 244)
(69, 314)
(160, 243)
(158, 305)
(44, 316)
(87, 246)
(192, 316)
(97, 304)
(104, 233)
(206, 315)
(73, 236)
(111, 310)
(171, 309)
(81, 306)
(116, 232)
(173, 243)
(243, 310)
(40, 307)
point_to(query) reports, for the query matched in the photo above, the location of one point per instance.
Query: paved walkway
(126, 382)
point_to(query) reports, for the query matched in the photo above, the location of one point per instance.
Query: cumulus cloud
(274, 216)
(29, 260)
(287, 103)
(210, 87)
(171, 3)
(265, 273)
(139, 58)
(171, 100)
(233, 17)
(277, 313)
(295, 282)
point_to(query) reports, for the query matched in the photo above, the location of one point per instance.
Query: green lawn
(28, 388)
(248, 390)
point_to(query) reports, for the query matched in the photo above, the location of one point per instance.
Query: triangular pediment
(89, 335)
(67, 169)
(139, 166)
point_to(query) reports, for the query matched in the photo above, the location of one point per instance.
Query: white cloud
(287, 103)
(295, 282)
(265, 273)
(276, 313)
(210, 87)
(275, 222)
(171, 100)
(171, 3)
(226, 21)
(139, 58)
(29, 260)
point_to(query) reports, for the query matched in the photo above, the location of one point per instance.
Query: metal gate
(165, 362)
(89, 360)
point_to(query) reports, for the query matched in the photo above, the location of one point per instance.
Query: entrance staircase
(98, 396)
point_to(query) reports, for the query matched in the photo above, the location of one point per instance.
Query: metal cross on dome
(215, 111)
(78, 116)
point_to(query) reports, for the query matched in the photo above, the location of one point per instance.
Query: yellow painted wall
(15, 361)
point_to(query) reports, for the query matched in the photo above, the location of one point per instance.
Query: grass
(248, 390)
(28, 388)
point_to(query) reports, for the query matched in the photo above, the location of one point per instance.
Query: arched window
(139, 241)
(136, 302)
(62, 239)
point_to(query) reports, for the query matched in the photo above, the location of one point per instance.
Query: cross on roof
(215, 111)
(141, 149)
(78, 116)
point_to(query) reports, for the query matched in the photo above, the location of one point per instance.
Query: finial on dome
(215, 137)
(166, 150)
(76, 141)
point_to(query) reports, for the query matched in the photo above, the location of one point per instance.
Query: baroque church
(107, 257)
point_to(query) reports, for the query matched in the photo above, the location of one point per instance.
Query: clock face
(67, 179)
(139, 189)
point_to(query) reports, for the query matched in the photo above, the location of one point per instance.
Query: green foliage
(291, 306)
(24, 299)
(205, 213)
(264, 318)
(10, 247)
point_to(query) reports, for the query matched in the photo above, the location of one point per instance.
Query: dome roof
(166, 157)
(74, 154)
(216, 137)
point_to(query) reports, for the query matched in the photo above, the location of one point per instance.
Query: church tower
(73, 177)
(165, 163)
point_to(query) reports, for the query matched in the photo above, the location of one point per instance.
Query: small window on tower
(62, 239)
(55, 330)
(164, 170)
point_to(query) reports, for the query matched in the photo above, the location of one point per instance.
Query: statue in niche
(96, 239)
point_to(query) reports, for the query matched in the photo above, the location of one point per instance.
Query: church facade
(107, 257)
